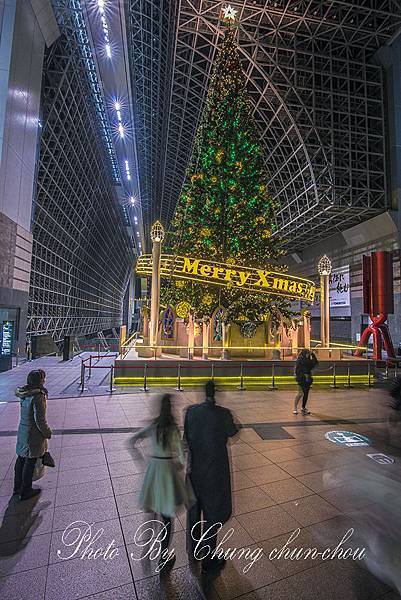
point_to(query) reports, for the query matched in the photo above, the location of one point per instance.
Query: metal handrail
(130, 343)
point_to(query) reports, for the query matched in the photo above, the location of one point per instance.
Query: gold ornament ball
(207, 299)
(219, 156)
(182, 310)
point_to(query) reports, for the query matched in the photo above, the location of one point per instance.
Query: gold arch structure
(226, 275)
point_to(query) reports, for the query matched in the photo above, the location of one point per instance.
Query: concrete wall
(22, 44)
(390, 57)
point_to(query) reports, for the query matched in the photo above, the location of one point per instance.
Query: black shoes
(212, 565)
(30, 494)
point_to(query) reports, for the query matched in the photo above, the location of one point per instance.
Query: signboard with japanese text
(6, 338)
(340, 296)
(339, 287)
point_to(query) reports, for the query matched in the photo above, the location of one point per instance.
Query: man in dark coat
(207, 429)
(306, 361)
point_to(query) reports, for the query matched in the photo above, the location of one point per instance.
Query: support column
(324, 268)
(145, 312)
(157, 236)
(225, 330)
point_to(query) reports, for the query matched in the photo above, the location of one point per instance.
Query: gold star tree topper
(229, 13)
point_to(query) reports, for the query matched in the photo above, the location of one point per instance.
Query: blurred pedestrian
(207, 429)
(33, 433)
(164, 490)
(394, 418)
(372, 490)
(306, 361)
(395, 393)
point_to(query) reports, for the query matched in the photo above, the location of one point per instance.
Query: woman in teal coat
(33, 432)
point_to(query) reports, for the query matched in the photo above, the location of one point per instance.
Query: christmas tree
(225, 212)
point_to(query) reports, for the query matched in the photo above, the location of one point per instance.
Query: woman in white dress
(164, 490)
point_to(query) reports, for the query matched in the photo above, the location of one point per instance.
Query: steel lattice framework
(82, 252)
(317, 93)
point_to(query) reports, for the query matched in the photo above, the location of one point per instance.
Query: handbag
(39, 470)
(48, 460)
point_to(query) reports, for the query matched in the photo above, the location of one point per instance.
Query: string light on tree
(226, 213)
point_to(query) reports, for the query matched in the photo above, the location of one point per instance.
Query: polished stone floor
(286, 476)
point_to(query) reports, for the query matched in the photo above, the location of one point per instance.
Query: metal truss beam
(82, 253)
(318, 100)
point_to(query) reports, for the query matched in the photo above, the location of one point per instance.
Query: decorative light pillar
(191, 335)
(145, 316)
(306, 328)
(324, 269)
(205, 338)
(157, 237)
(225, 340)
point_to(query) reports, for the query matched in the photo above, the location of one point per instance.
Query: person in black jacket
(207, 428)
(306, 361)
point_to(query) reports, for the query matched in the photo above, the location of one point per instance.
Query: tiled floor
(280, 485)
(63, 378)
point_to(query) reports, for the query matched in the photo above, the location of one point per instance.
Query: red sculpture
(378, 302)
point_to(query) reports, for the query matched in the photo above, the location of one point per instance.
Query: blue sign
(347, 438)
(6, 338)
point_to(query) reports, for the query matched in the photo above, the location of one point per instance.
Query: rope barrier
(369, 384)
(348, 385)
(92, 356)
(155, 364)
(273, 385)
(334, 384)
(145, 379)
(179, 388)
(112, 388)
(241, 385)
(82, 383)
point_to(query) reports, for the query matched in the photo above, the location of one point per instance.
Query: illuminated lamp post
(324, 269)
(157, 237)
(205, 337)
